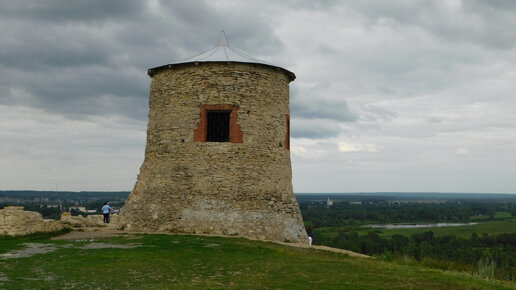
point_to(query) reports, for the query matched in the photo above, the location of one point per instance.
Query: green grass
(177, 262)
(329, 232)
(502, 215)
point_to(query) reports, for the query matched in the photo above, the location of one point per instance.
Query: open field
(180, 261)
(499, 215)
(496, 227)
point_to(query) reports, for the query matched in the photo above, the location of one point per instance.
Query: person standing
(310, 233)
(106, 210)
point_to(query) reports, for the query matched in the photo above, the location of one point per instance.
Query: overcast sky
(390, 95)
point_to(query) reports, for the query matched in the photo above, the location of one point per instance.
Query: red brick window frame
(235, 134)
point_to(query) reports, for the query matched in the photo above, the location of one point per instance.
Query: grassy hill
(179, 261)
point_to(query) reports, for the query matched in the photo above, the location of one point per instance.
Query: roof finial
(223, 40)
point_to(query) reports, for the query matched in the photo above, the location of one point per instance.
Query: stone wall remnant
(95, 220)
(14, 221)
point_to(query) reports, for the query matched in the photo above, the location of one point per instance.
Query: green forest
(486, 247)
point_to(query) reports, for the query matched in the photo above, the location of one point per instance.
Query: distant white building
(329, 202)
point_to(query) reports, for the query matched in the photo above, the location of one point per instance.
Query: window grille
(218, 126)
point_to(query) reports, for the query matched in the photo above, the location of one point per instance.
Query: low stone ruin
(96, 220)
(14, 221)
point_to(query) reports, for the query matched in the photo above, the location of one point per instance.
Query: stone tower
(217, 158)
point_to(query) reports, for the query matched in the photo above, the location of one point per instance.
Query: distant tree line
(72, 195)
(346, 214)
(52, 212)
(52, 204)
(445, 251)
(63, 198)
(492, 255)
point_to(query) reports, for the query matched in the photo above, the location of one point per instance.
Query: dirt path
(107, 232)
(88, 234)
(325, 248)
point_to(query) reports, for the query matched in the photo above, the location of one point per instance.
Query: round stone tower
(217, 158)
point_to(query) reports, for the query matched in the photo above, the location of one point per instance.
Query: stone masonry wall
(14, 221)
(96, 220)
(241, 187)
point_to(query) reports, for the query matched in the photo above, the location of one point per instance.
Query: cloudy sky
(390, 95)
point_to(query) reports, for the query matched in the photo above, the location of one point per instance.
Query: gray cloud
(322, 108)
(318, 117)
(375, 114)
(314, 128)
(76, 59)
(481, 22)
(308, 106)
(62, 10)
(78, 91)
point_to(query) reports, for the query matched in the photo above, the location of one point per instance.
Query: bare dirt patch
(106, 245)
(30, 250)
(3, 278)
(88, 235)
(325, 248)
(211, 245)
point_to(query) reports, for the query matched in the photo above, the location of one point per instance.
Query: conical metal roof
(223, 52)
